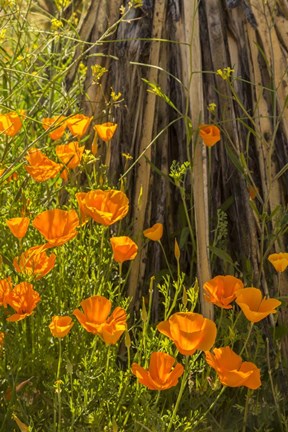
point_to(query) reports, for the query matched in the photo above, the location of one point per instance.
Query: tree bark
(201, 37)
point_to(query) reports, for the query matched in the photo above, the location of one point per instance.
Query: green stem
(246, 411)
(166, 260)
(59, 386)
(210, 408)
(220, 319)
(180, 394)
(188, 219)
(247, 338)
(107, 374)
(272, 387)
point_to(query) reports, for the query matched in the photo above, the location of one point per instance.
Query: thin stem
(246, 410)
(57, 425)
(180, 394)
(272, 386)
(166, 259)
(210, 408)
(247, 338)
(188, 218)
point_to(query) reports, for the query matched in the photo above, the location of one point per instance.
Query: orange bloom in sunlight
(78, 124)
(221, 290)
(106, 130)
(279, 261)
(189, 331)
(57, 125)
(70, 154)
(11, 123)
(40, 167)
(95, 318)
(18, 226)
(210, 134)
(232, 372)
(34, 261)
(253, 305)
(23, 299)
(5, 289)
(161, 374)
(57, 226)
(104, 206)
(60, 326)
(124, 249)
(154, 233)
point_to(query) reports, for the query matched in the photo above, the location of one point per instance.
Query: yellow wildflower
(225, 73)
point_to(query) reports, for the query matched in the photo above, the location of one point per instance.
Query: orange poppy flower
(279, 261)
(115, 326)
(34, 261)
(232, 372)
(104, 206)
(221, 290)
(57, 125)
(60, 326)
(5, 289)
(78, 124)
(95, 318)
(154, 233)
(70, 154)
(189, 331)
(40, 167)
(161, 374)
(57, 226)
(124, 249)
(210, 134)
(253, 305)
(106, 130)
(11, 123)
(23, 299)
(18, 226)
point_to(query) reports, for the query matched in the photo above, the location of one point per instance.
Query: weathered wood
(251, 39)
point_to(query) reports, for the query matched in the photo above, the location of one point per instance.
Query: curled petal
(161, 375)
(154, 233)
(254, 306)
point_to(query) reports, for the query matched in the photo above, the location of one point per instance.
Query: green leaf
(220, 253)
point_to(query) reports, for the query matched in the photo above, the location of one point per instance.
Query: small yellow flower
(97, 72)
(115, 97)
(127, 156)
(82, 69)
(56, 24)
(61, 4)
(225, 73)
(212, 107)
